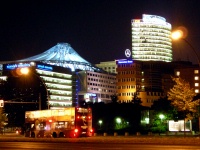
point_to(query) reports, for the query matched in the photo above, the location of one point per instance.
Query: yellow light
(24, 70)
(177, 34)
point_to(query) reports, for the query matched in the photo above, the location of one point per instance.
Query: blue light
(125, 62)
(14, 66)
(44, 67)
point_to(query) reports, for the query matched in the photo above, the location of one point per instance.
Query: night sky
(99, 30)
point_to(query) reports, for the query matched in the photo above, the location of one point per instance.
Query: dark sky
(99, 30)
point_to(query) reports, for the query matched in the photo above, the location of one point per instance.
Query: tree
(136, 100)
(114, 98)
(3, 118)
(182, 98)
(162, 106)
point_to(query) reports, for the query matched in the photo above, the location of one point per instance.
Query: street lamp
(25, 71)
(100, 123)
(161, 116)
(118, 120)
(179, 34)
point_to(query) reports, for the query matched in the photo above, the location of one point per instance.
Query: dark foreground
(163, 140)
(91, 146)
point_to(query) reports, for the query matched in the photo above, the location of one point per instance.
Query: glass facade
(151, 39)
(59, 87)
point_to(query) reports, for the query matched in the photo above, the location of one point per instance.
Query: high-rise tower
(151, 39)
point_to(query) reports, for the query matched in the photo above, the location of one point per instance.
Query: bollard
(104, 134)
(149, 133)
(137, 133)
(95, 134)
(115, 133)
(126, 134)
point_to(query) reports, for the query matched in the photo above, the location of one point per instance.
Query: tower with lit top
(151, 39)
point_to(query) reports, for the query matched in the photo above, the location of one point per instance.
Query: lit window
(196, 78)
(196, 71)
(196, 84)
(196, 90)
(178, 73)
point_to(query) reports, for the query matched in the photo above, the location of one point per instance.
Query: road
(90, 146)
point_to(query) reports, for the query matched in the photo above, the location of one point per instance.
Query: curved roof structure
(63, 55)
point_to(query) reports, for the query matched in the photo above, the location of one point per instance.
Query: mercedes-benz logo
(127, 53)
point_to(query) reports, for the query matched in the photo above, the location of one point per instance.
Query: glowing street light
(161, 116)
(100, 123)
(179, 34)
(118, 120)
(25, 71)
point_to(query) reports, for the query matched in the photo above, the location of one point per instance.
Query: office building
(108, 66)
(151, 39)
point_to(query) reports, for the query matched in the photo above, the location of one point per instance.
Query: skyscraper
(151, 39)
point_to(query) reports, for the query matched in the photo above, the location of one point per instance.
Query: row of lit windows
(152, 57)
(126, 87)
(125, 72)
(151, 49)
(126, 79)
(150, 38)
(100, 85)
(109, 68)
(102, 81)
(156, 45)
(126, 94)
(150, 34)
(147, 43)
(139, 29)
(153, 53)
(150, 26)
(101, 90)
(154, 94)
(101, 76)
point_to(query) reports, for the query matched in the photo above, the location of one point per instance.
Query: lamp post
(161, 116)
(176, 35)
(25, 71)
(100, 123)
(179, 34)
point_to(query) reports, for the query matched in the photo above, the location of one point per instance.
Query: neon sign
(14, 66)
(125, 62)
(44, 67)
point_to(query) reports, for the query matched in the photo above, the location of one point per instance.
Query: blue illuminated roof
(60, 52)
(62, 55)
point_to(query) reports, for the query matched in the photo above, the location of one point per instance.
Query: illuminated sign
(128, 53)
(14, 66)
(125, 62)
(44, 67)
(179, 125)
(150, 18)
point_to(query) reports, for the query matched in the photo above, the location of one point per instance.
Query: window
(178, 73)
(196, 84)
(196, 78)
(196, 90)
(196, 71)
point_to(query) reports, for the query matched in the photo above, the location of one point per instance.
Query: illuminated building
(108, 66)
(128, 79)
(56, 68)
(57, 83)
(96, 86)
(190, 75)
(150, 81)
(151, 39)
(62, 55)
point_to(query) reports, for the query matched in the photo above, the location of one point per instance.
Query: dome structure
(62, 55)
